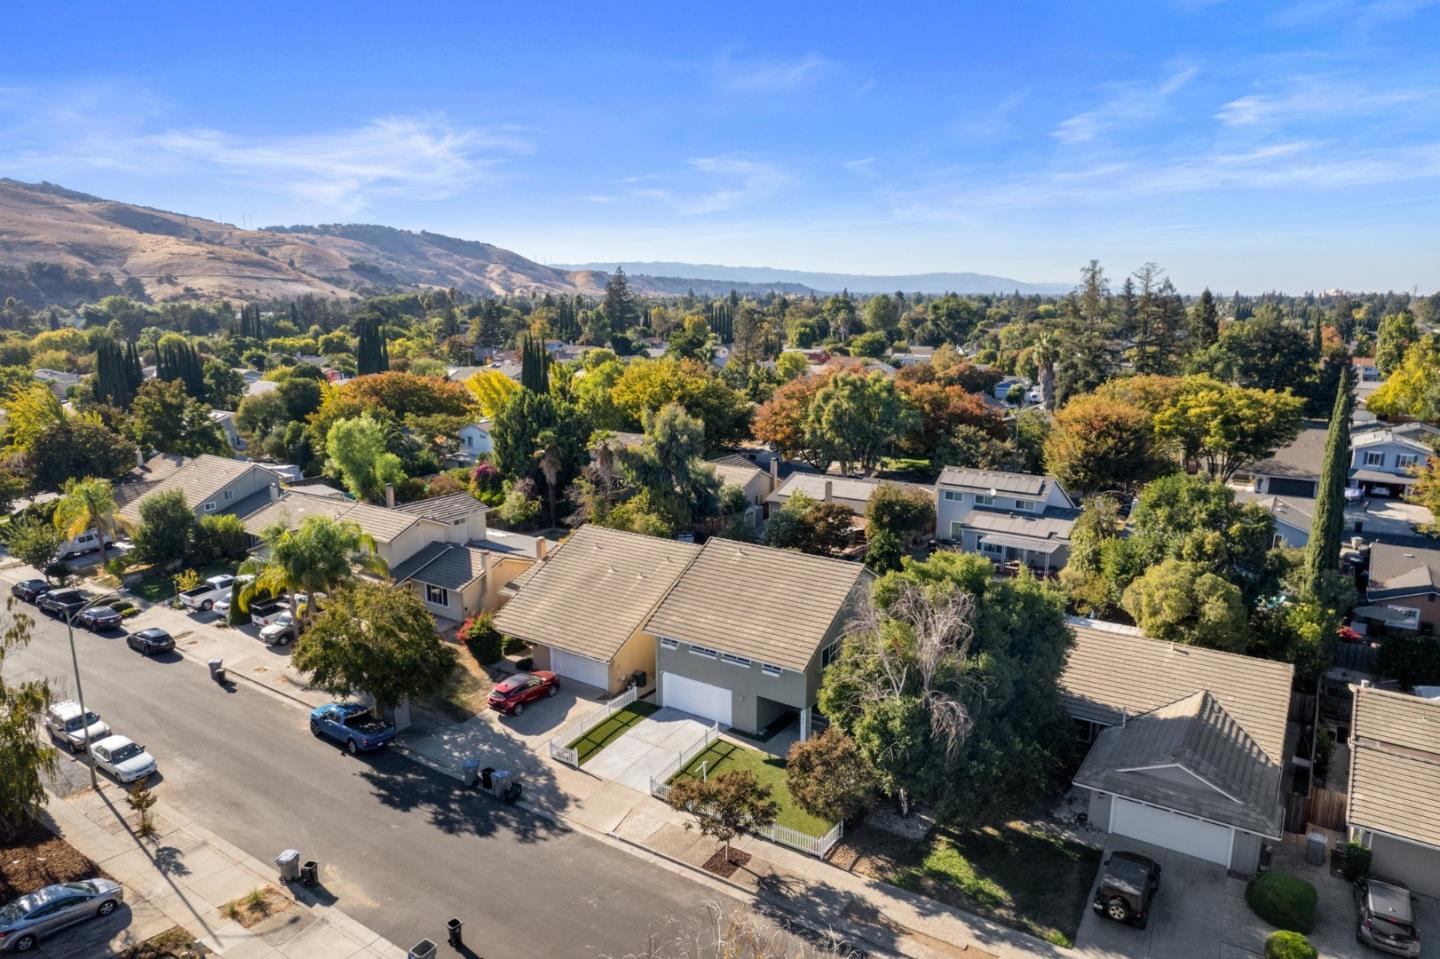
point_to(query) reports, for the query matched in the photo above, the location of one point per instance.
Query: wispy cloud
(1311, 97)
(1363, 13)
(713, 184)
(741, 75)
(1125, 104)
(862, 167)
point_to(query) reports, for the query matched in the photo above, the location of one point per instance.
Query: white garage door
(1194, 837)
(702, 699)
(580, 668)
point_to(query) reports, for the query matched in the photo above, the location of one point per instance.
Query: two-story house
(1007, 517)
(1385, 456)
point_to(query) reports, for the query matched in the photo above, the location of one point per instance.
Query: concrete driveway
(1183, 919)
(648, 748)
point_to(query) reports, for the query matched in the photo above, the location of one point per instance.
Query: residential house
(1293, 470)
(210, 484)
(59, 381)
(397, 535)
(1293, 515)
(1393, 802)
(913, 357)
(861, 365)
(1006, 517)
(474, 441)
(585, 605)
(1407, 577)
(735, 470)
(457, 580)
(1188, 744)
(746, 630)
(851, 492)
(1382, 459)
(225, 419)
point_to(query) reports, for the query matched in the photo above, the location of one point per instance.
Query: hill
(835, 282)
(60, 246)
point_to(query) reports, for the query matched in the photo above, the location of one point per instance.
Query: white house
(1384, 456)
(475, 441)
(1007, 517)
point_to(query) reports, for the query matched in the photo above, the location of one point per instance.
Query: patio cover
(1032, 543)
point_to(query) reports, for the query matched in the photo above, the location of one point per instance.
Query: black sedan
(99, 618)
(150, 641)
(30, 589)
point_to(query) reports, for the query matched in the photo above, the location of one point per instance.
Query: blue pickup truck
(352, 725)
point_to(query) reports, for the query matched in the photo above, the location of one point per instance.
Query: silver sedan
(31, 918)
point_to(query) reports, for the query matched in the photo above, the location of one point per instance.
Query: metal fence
(559, 748)
(659, 785)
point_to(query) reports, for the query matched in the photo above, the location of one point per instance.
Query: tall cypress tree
(372, 355)
(1322, 552)
(534, 375)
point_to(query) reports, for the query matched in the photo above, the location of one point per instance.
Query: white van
(86, 542)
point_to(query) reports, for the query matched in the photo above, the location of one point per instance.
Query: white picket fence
(814, 845)
(659, 785)
(559, 748)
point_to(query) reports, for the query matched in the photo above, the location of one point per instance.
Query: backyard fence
(660, 785)
(559, 746)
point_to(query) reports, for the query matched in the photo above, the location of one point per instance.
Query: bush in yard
(1289, 945)
(1357, 862)
(526, 664)
(1283, 900)
(724, 806)
(829, 778)
(484, 641)
(514, 644)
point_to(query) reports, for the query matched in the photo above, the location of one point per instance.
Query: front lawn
(723, 756)
(1017, 874)
(159, 587)
(611, 729)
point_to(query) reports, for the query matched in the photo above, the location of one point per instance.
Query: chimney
(484, 562)
(139, 460)
(274, 492)
(829, 487)
(774, 472)
(390, 495)
(542, 546)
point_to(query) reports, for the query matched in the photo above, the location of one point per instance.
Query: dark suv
(63, 603)
(1128, 884)
(1386, 919)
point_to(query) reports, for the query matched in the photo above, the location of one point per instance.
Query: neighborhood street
(401, 848)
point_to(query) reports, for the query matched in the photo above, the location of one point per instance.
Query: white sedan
(122, 758)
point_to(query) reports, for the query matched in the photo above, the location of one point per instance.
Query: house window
(956, 530)
(1375, 459)
(228, 494)
(770, 669)
(984, 499)
(210, 507)
(1025, 505)
(1405, 460)
(436, 595)
(953, 495)
(668, 643)
(829, 654)
(734, 660)
(705, 651)
(992, 548)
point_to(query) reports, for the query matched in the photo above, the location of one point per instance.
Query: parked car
(63, 603)
(64, 721)
(266, 611)
(150, 641)
(45, 912)
(1386, 919)
(122, 758)
(222, 605)
(281, 630)
(1128, 886)
(511, 695)
(99, 618)
(30, 590)
(353, 725)
(204, 596)
(86, 542)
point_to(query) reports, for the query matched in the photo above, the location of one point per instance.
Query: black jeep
(1128, 884)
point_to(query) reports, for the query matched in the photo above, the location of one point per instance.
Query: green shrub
(526, 664)
(1289, 945)
(1283, 900)
(514, 644)
(480, 636)
(1356, 862)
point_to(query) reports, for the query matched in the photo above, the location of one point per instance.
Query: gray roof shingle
(1026, 484)
(444, 508)
(1395, 765)
(447, 565)
(198, 478)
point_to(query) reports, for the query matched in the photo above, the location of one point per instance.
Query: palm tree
(547, 457)
(86, 504)
(316, 557)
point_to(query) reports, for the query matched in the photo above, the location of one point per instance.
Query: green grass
(1019, 875)
(611, 729)
(723, 756)
(160, 587)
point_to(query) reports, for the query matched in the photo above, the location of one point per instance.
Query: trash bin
(310, 873)
(288, 863)
(639, 678)
(485, 777)
(1315, 848)
(217, 670)
(452, 928)
(469, 771)
(424, 949)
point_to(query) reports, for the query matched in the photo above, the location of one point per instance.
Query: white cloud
(1310, 98)
(769, 75)
(1125, 105)
(861, 167)
(712, 184)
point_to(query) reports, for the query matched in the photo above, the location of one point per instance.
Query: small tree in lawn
(35, 543)
(725, 805)
(141, 799)
(829, 777)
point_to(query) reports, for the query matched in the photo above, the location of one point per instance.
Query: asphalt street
(401, 848)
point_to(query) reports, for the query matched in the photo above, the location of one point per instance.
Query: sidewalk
(183, 876)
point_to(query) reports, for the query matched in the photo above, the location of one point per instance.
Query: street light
(79, 692)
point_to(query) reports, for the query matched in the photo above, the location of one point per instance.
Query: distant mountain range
(828, 282)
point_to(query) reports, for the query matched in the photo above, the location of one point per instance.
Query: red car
(512, 694)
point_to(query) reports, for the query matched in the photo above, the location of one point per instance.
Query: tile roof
(594, 591)
(444, 508)
(294, 507)
(199, 478)
(1115, 671)
(1237, 785)
(447, 565)
(853, 488)
(1395, 765)
(1296, 511)
(1026, 484)
(773, 605)
(1051, 525)
(735, 469)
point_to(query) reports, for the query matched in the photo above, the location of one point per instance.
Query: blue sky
(1291, 145)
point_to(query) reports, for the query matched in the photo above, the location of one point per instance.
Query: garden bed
(256, 906)
(173, 943)
(611, 729)
(36, 858)
(769, 771)
(1017, 874)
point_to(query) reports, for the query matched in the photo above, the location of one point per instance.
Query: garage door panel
(1291, 487)
(1185, 834)
(580, 668)
(692, 696)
